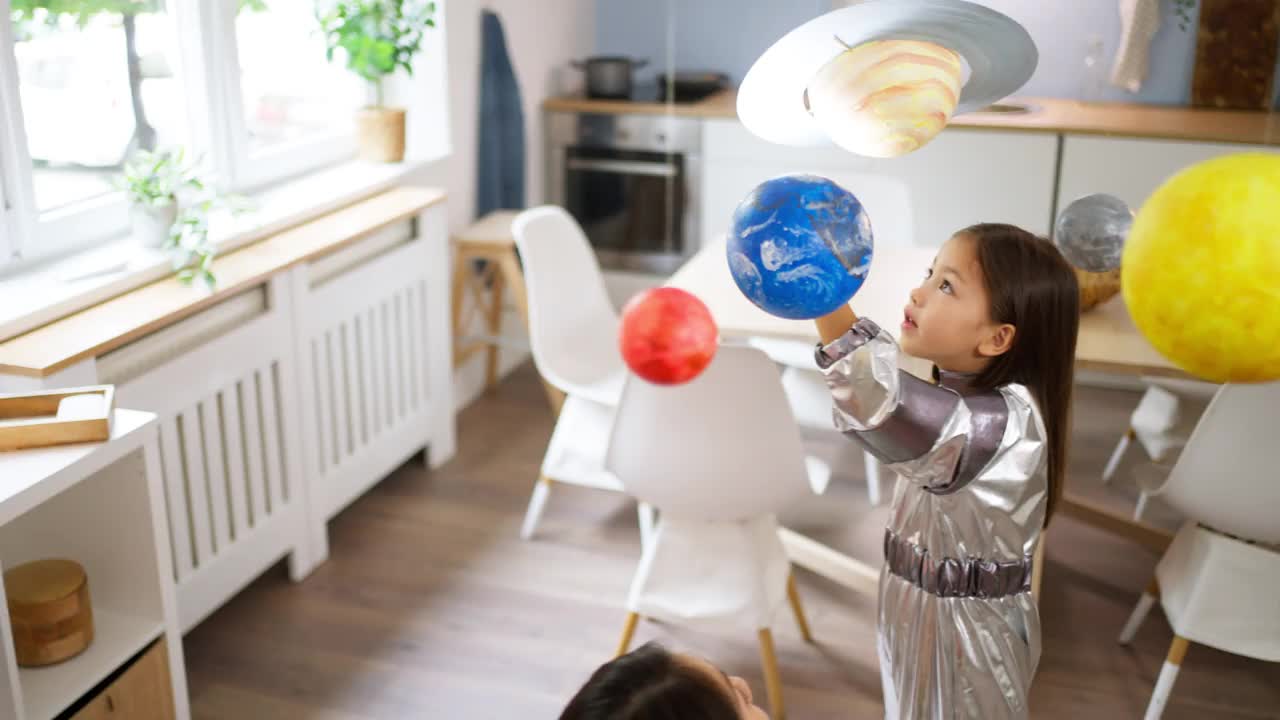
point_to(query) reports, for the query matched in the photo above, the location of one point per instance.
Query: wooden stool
(489, 240)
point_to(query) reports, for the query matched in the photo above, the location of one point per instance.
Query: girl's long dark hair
(650, 683)
(1033, 288)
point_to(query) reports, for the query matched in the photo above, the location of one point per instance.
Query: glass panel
(95, 83)
(290, 91)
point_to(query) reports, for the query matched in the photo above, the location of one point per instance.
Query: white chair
(1219, 581)
(718, 457)
(1161, 423)
(573, 330)
(888, 203)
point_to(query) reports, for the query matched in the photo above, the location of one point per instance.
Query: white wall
(542, 37)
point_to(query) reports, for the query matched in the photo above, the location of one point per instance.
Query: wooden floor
(431, 607)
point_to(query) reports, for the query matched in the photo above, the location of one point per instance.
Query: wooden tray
(29, 420)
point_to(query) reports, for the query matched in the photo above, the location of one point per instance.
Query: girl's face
(947, 319)
(738, 688)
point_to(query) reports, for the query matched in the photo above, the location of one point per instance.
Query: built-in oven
(631, 182)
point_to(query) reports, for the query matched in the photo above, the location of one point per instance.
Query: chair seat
(728, 574)
(576, 452)
(1222, 592)
(492, 229)
(1163, 421)
(605, 390)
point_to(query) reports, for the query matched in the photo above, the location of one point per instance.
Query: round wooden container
(1097, 288)
(49, 610)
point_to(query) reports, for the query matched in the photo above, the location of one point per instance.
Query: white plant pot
(151, 223)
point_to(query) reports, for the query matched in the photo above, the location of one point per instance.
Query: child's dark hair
(1033, 288)
(650, 683)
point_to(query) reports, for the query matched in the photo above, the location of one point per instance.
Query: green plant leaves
(377, 36)
(161, 178)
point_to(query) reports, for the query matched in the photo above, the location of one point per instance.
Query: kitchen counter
(1046, 115)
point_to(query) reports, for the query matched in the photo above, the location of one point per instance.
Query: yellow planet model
(1201, 269)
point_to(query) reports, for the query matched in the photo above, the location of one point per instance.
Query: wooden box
(29, 420)
(139, 691)
(49, 611)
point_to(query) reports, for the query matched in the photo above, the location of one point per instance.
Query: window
(290, 92)
(94, 86)
(243, 84)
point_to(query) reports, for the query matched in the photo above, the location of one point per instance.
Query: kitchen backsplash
(727, 36)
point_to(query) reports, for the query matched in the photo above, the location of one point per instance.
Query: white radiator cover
(282, 404)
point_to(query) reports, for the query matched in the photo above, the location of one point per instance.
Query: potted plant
(153, 181)
(377, 38)
(169, 209)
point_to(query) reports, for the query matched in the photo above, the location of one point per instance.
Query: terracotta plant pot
(1096, 288)
(381, 134)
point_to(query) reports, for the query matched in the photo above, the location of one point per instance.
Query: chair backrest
(1228, 475)
(573, 327)
(722, 446)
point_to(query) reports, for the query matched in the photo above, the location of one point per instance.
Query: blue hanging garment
(500, 165)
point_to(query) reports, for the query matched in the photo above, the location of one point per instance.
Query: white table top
(29, 477)
(1108, 339)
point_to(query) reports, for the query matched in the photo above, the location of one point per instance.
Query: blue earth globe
(800, 246)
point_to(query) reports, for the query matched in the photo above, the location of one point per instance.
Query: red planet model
(667, 336)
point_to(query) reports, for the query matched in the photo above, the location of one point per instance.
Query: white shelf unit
(117, 637)
(101, 505)
(289, 394)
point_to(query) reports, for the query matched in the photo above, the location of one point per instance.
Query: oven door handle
(624, 167)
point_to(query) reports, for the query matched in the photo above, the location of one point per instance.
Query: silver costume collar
(957, 381)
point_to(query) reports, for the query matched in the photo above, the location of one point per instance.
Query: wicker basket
(381, 134)
(1097, 288)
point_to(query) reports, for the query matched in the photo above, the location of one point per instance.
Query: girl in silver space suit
(981, 453)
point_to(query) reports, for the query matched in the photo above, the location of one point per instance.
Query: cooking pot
(685, 86)
(609, 76)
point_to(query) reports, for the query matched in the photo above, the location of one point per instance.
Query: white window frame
(39, 235)
(244, 170)
(15, 172)
(208, 71)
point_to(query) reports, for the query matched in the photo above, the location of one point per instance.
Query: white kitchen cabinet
(1130, 168)
(961, 178)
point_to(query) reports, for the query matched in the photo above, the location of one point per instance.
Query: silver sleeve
(924, 432)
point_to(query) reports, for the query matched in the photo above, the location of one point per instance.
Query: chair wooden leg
(494, 322)
(555, 397)
(1140, 612)
(628, 631)
(772, 680)
(459, 286)
(514, 278)
(537, 504)
(794, 596)
(1168, 674)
